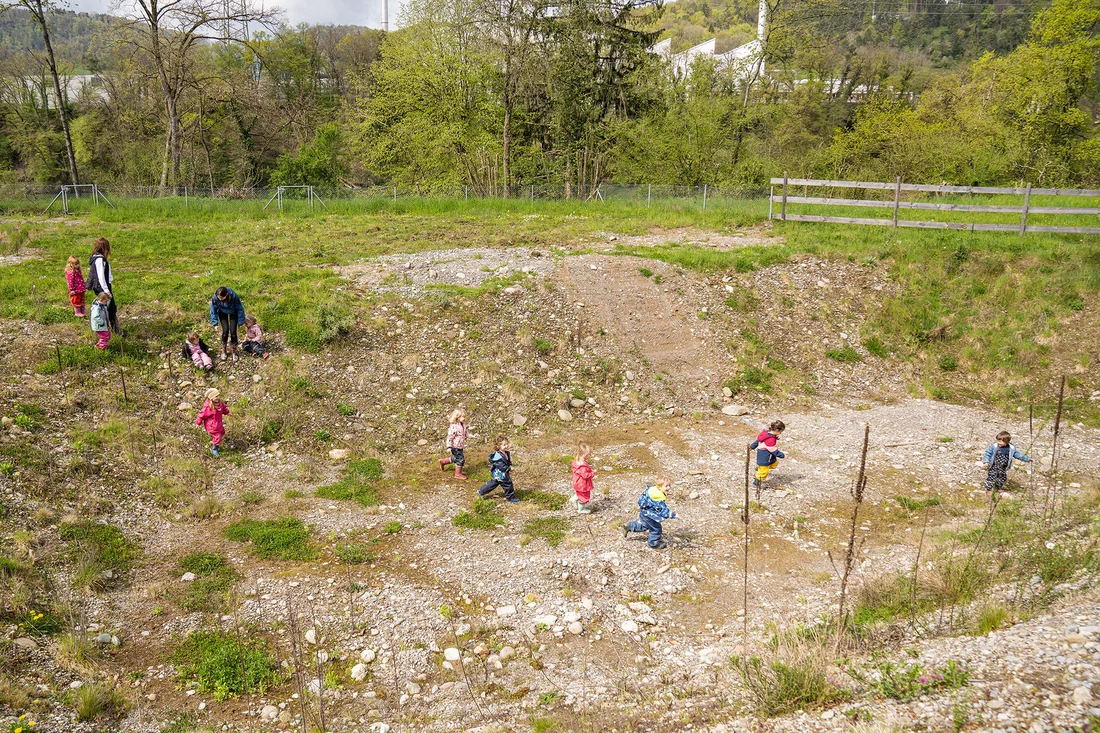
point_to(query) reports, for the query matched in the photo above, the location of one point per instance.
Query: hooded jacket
(501, 464)
(653, 505)
(1013, 454)
(229, 306)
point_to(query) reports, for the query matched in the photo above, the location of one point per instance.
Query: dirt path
(645, 317)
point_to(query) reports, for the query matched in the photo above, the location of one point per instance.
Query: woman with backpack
(100, 279)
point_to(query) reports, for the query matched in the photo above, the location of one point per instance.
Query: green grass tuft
(550, 500)
(100, 547)
(847, 355)
(210, 590)
(482, 515)
(356, 483)
(551, 529)
(285, 538)
(226, 665)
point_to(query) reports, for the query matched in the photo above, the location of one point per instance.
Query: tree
(170, 31)
(38, 10)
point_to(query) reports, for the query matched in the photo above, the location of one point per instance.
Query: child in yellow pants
(767, 451)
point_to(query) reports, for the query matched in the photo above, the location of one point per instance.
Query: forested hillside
(565, 93)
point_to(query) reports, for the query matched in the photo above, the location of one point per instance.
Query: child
(582, 480)
(456, 443)
(76, 286)
(998, 458)
(210, 418)
(652, 510)
(767, 452)
(100, 320)
(253, 338)
(500, 463)
(195, 349)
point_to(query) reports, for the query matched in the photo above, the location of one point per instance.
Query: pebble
(507, 653)
(505, 611)
(575, 628)
(367, 655)
(565, 415)
(269, 713)
(451, 654)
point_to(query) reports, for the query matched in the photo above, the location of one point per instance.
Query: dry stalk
(857, 494)
(1047, 505)
(916, 569)
(745, 516)
(295, 633)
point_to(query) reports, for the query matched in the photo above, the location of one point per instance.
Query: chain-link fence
(59, 199)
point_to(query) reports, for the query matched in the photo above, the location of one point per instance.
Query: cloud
(314, 12)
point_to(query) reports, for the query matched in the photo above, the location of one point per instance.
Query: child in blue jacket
(500, 465)
(652, 510)
(998, 457)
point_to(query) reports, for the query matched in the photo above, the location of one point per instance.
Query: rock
(379, 728)
(103, 639)
(314, 687)
(727, 392)
(462, 629)
(367, 655)
(565, 415)
(996, 703)
(629, 626)
(1081, 695)
(629, 375)
(735, 410)
(359, 672)
(451, 654)
(188, 577)
(576, 404)
(519, 420)
(828, 715)
(338, 454)
(422, 441)
(183, 406)
(505, 611)
(507, 653)
(575, 628)
(24, 642)
(693, 495)
(256, 378)
(269, 713)
(311, 636)
(412, 688)
(547, 619)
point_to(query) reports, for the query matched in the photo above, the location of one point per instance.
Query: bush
(285, 538)
(252, 497)
(482, 515)
(226, 665)
(911, 682)
(753, 377)
(94, 701)
(271, 430)
(948, 363)
(796, 680)
(334, 322)
(353, 554)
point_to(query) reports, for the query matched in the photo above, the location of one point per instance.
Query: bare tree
(38, 10)
(171, 31)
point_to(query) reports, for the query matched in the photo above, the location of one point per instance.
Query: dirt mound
(412, 273)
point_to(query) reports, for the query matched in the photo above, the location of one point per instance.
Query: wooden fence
(896, 204)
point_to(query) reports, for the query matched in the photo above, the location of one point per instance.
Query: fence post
(783, 205)
(186, 203)
(395, 194)
(1027, 204)
(532, 192)
(771, 199)
(704, 197)
(95, 193)
(897, 198)
(467, 192)
(649, 196)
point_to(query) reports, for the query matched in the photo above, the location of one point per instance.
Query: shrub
(552, 529)
(753, 377)
(353, 554)
(285, 538)
(94, 701)
(210, 589)
(911, 682)
(252, 497)
(226, 665)
(334, 322)
(393, 526)
(345, 409)
(847, 355)
(77, 651)
(542, 345)
(794, 680)
(100, 547)
(948, 363)
(40, 623)
(271, 430)
(482, 515)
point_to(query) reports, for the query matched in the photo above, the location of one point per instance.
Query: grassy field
(1014, 311)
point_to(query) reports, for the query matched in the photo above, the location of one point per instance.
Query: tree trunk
(39, 14)
(506, 144)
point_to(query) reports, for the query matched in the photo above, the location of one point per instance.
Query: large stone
(412, 688)
(311, 636)
(505, 611)
(727, 392)
(367, 655)
(451, 654)
(735, 410)
(269, 713)
(507, 653)
(519, 420)
(359, 672)
(24, 642)
(547, 619)
(575, 628)
(1082, 695)
(576, 403)
(565, 415)
(188, 577)
(629, 626)
(338, 454)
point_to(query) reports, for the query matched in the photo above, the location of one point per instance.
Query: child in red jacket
(582, 480)
(77, 288)
(210, 418)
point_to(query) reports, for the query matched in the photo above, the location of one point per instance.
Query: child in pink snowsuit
(582, 480)
(77, 288)
(210, 418)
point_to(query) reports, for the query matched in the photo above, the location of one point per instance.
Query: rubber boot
(459, 475)
(443, 463)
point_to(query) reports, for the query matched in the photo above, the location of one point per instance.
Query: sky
(339, 12)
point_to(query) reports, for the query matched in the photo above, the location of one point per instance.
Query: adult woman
(226, 313)
(100, 279)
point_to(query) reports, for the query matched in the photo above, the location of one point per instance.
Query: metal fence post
(186, 202)
(771, 199)
(395, 194)
(1027, 204)
(649, 196)
(783, 205)
(704, 197)
(897, 198)
(467, 192)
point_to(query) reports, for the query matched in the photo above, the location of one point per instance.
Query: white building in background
(744, 58)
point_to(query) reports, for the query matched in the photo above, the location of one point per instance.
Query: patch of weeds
(657, 279)
(876, 348)
(28, 417)
(754, 377)
(990, 617)
(548, 698)
(646, 272)
(544, 725)
(552, 529)
(96, 701)
(99, 548)
(322, 435)
(960, 716)
(40, 623)
(910, 682)
(947, 439)
(271, 430)
(226, 665)
(482, 515)
(393, 526)
(285, 538)
(948, 363)
(353, 554)
(356, 484)
(847, 355)
(542, 345)
(303, 385)
(210, 588)
(916, 505)
(743, 301)
(797, 681)
(252, 497)
(292, 494)
(345, 409)
(549, 500)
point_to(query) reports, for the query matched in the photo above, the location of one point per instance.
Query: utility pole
(761, 29)
(386, 15)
